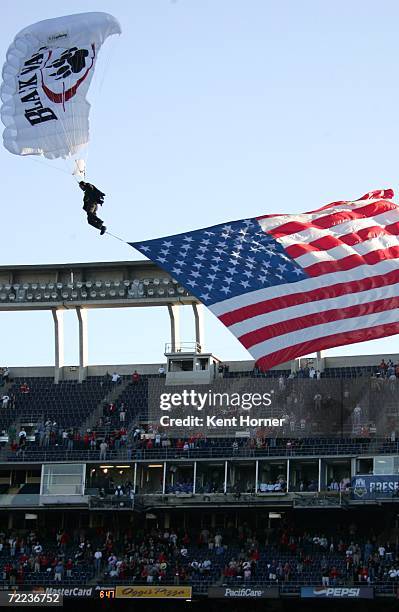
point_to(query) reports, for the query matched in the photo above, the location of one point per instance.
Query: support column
(135, 478)
(225, 478)
(164, 479)
(58, 318)
(319, 487)
(320, 361)
(83, 342)
(195, 478)
(256, 475)
(174, 315)
(198, 310)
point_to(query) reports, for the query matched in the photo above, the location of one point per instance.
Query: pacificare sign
(243, 593)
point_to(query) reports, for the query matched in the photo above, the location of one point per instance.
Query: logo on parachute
(66, 66)
(58, 73)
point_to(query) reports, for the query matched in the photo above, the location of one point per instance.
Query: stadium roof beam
(80, 286)
(90, 285)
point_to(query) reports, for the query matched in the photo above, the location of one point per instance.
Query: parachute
(46, 77)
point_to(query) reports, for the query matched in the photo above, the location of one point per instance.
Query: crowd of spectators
(119, 428)
(283, 555)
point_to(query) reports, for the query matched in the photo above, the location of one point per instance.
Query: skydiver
(92, 199)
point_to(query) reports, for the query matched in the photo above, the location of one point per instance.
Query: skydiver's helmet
(82, 185)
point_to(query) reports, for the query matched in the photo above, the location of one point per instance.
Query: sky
(202, 112)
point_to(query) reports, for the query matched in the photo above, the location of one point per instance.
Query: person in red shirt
(24, 388)
(334, 573)
(135, 377)
(20, 575)
(64, 539)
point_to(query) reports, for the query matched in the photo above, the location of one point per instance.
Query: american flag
(290, 285)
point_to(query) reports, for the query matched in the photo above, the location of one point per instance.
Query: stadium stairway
(6, 413)
(113, 396)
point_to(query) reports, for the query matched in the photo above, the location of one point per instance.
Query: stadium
(99, 501)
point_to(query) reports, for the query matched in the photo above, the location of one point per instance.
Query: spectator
(103, 450)
(116, 378)
(58, 571)
(98, 555)
(24, 388)
(135, 377)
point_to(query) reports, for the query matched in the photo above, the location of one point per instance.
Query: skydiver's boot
(103, 230)
(95, 221)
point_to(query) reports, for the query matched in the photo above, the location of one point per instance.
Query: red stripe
(383, 194)
(329, 221)
(330, 242)
(317, 318)
(352, 261)
(305, 348)
(331, 291)
(370, 210)
(374, 231)
(321, 244)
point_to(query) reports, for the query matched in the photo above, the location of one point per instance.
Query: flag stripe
(363, 334)
(296, 248)
(284, 341)
(349, 232)
(262, 301)
(352, 261)
(297, 223)
(380, 194)
(318, 318)
(286, 315)
(342, 251)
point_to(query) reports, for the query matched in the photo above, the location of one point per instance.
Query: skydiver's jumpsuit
(92, 199)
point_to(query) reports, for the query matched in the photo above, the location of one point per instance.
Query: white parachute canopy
(46, 77)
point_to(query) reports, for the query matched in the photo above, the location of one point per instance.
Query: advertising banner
(243, 593)
(153, 592)
(370, 487)
(337, 592)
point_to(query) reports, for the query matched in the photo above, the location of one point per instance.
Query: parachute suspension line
(44, 163)
(109, 55)
(116, 237)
